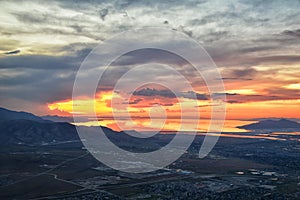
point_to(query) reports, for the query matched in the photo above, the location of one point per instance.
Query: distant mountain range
(273, 125)
(25, 131)
(6, 114)
(26, 128)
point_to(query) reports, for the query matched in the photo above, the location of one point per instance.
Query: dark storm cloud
(267, 95)
(12, 52)
(149, 55)
(295, 33)
(77, 28)
(279, 59)
(40, 78)
(135, 101)
(240, 98)
(37, 85)
(153, 92)
(148, 92)
(237, 79)
(241, 73)
(288, 93)
(191, 94)
(258, 48)
(103, 13)
(40, 62)
(33, 18)
(237, 59)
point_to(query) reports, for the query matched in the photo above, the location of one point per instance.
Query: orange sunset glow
(235, 112)
(257, 58)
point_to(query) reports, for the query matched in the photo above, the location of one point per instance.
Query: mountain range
(26, 128)
(6, 115)
(273, 125)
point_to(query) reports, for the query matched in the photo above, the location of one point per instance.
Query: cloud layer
(254, 43)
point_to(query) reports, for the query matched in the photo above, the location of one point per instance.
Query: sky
(255, 45)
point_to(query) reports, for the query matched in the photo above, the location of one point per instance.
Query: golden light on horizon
(85, 106)
(295, 86)
(139, 116)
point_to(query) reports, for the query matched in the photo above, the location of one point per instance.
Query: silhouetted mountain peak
(271, 124)
(6, 114)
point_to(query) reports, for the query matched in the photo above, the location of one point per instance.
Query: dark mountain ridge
(6, 114)
(282, 124)
(35, 132)
(28, 129)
